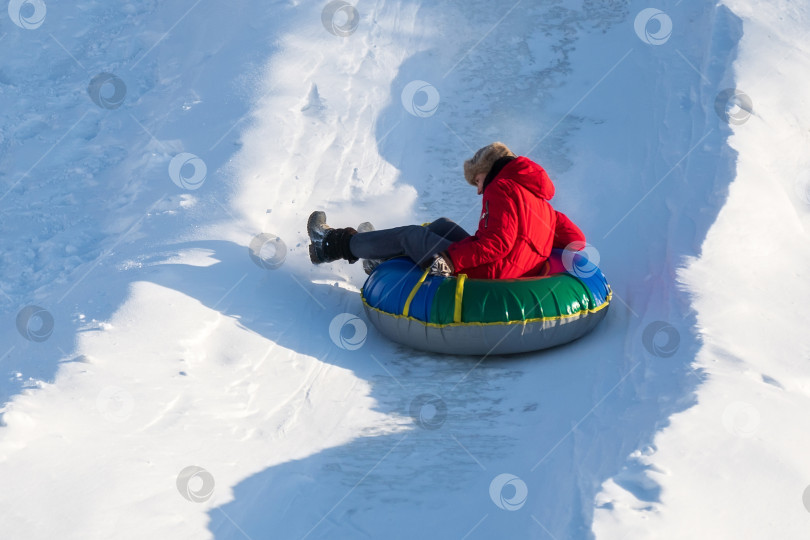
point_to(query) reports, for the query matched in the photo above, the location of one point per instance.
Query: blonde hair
(483, 160)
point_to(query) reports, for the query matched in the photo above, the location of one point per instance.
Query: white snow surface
(170, 385)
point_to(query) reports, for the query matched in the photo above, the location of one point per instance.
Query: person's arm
(567, 233)
(496, 233)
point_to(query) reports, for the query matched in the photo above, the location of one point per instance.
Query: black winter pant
(418, 242)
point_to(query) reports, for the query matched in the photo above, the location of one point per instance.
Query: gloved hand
(442, 265)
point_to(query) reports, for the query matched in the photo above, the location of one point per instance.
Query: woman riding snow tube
(457, 315)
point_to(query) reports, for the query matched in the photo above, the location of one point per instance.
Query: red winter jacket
(518, 226)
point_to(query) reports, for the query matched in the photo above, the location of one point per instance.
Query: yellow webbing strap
(413, 292)
(459, 294)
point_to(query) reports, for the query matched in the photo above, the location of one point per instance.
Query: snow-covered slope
(733, 466)
(192, 387)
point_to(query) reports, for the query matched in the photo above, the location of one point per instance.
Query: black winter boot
(328, 244)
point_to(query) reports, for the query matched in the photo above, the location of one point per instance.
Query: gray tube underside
(484, 339)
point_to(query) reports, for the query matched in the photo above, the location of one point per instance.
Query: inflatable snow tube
(457, 315)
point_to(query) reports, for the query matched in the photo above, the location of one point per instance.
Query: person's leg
(448, 229)
(417, 242)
